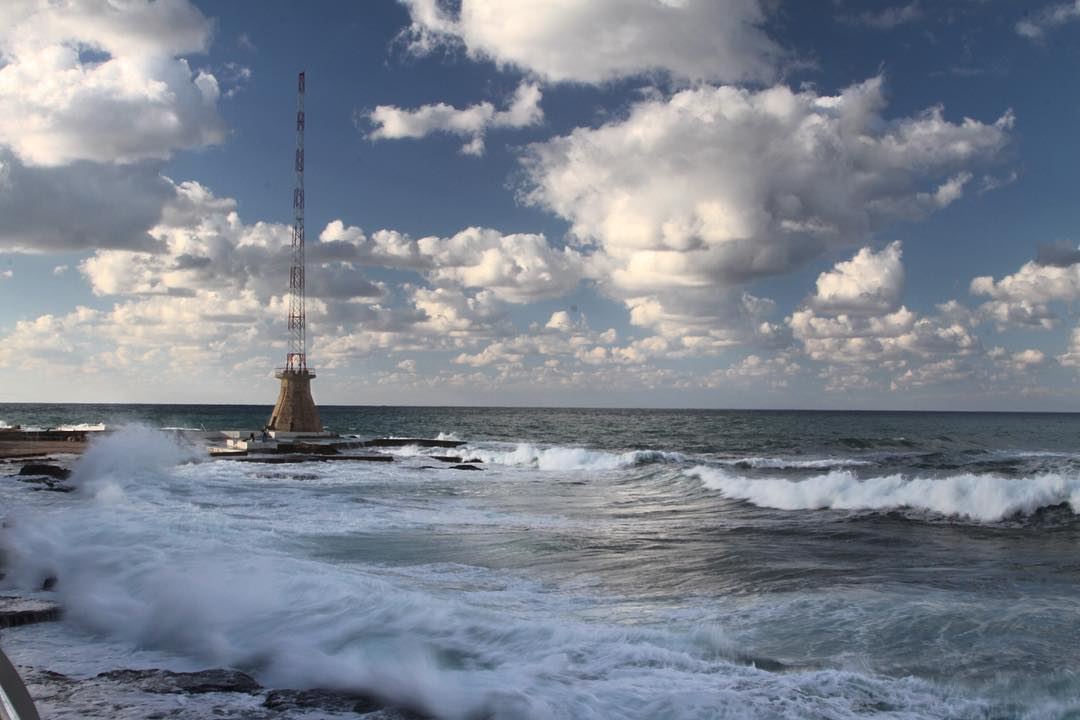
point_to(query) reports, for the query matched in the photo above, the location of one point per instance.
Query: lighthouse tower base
(295, 411)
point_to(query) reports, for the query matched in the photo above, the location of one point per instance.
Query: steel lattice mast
(296, 359)
(295, 410)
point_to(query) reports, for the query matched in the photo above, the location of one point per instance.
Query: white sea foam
(82, 427)
(568, 458)
(202, 562)
(451, 436)
(985, 498)
(782, 463)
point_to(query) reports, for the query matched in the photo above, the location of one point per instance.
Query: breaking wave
(983, 498)
(779, 463)
(567, 458)
(80, 427)
(151, 556)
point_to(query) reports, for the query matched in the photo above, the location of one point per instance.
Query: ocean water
(604, 564)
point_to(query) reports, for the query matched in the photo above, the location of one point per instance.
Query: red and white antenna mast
(296, 359)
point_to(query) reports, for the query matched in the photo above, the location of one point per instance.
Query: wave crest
(566, 458)
(984, 498)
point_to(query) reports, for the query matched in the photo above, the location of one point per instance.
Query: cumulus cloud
(1071, 357)
(601, 40)
(690, 196)
(94, 96)
(517, 268)
(1035, 26)
(213, 283)
(104, 81)
(869, 283)
(80, 206)
(393, 123)
(855, 325)
(1022, 298)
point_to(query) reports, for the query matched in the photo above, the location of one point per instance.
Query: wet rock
(464, 466)
(203, 681)
(46, 483)
(308, 448)
(44, 470)
(325, 700)
(15, 611)
(446, 458)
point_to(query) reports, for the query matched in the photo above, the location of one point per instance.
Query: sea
(601, 563)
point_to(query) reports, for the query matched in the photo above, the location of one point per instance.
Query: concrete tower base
(295, 410)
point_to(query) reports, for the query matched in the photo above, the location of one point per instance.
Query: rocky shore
(217, 693)
(150, 694)
(153, 693)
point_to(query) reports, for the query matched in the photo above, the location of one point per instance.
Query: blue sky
(621, 202)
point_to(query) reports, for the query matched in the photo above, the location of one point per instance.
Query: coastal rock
(203, 681)
(45, 470)
(326, 700)
(15, 611)
(464, 466)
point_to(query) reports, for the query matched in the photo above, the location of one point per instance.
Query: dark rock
(463, 466)
(48, 484)
(15, 611)
(474, 460)
(203, 681)
(309, 448)
(447, 458)
(44, 470)
(325, 700)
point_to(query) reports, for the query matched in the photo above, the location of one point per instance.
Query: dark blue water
(605, 563)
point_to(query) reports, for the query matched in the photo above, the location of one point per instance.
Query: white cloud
(1071, 357)
(103, 81)
(854, 325)
(934, 373)
(517, 268)
(1022, 297)
(887, 18)
(473, 122)
(7, 274)
(689, 197)
(600, 40)
(868, 283)
(1036, 25)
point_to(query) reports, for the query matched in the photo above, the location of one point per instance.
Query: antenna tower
(296, 359)
(295, 410)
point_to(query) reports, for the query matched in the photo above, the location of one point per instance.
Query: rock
(47, 483)
(326, 700)
(464, 466)
(203, 681)
(15, 611)
(309, 448)
(44, 470)
(446, 458)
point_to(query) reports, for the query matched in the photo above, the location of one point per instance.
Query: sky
(643, 203)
